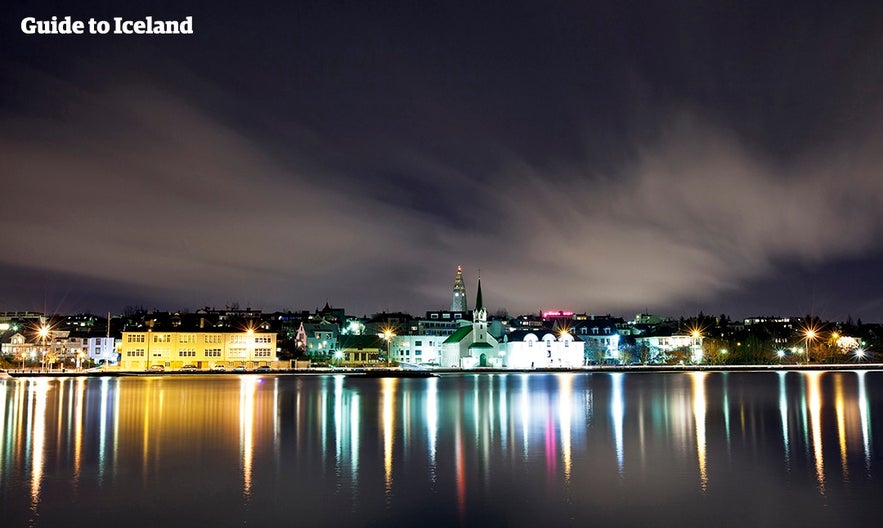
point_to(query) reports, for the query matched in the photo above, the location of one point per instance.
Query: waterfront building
(321, 338)
(359, 350)
(140, 350)
(527, 349)
(102, 350)
(660, 346)
(418, 349)
(472, 346)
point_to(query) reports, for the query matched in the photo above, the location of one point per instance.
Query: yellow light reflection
(78, 427)
(840, 411)
(814, 396)
(699, 407)
(387, 397)
(247, 388)
(39, 389)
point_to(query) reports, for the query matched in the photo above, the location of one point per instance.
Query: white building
(661, 346)
(102, 350)
(526, 349)
(417, 349)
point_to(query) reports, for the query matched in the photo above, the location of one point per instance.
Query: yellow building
(203, 350)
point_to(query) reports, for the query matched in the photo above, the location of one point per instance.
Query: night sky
(608, 157)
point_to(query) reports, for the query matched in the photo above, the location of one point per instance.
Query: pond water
(627, 449)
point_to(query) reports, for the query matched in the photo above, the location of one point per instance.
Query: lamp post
(43, 333)
(696, 335)
(809, 337)
(388, 335)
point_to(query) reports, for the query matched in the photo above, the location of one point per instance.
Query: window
(212, 339)
(433, 316)
(262, 339)
(418, 343)
(530, 343)
(236, 351)
(262, 352)
(417, 352)
(186, 338)
(238, 339)
(135, 338)
(162, 338)
(213, 352)
(566, 343)
(548, 343)
(138, 352)
(187, 353)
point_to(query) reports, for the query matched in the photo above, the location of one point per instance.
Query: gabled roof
(458, 336)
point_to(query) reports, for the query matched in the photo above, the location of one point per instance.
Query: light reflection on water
(668, 449)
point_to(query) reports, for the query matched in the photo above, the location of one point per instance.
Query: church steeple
(479, 314)
(479, 305)
(458, 301)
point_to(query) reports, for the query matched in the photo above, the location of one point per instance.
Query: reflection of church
(473, 345)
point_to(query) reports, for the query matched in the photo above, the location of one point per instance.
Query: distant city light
(556, 313)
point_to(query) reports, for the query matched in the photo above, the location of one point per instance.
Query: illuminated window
(186, 338)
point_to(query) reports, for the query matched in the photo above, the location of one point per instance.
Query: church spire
(479, 304)
(458, 301)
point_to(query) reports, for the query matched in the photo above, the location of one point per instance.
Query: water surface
(659, 449)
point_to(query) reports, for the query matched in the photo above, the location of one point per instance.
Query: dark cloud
(594, 157)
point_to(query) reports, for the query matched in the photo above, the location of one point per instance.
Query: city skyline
(599, 157)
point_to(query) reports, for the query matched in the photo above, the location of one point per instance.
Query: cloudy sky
(608, 157)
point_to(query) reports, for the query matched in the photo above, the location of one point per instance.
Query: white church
(473, 346)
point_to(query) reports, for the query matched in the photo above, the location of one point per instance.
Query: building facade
(172, 350)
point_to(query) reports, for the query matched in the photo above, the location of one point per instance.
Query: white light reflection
(102, 431)
(726, 407)
(525, 413)
(338, 422)
(814, 395)
(699, 407)
(783, 413)
(617, 413)
(865, 418)
(504, 413)
(354, 446)
(247, 388)
(432, 425)
(565, 414)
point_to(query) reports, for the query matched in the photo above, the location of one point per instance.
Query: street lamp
(810, 336)
(388, 334)
(43, 332)
(696, 334)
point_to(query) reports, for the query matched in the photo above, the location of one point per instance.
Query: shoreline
(372, 372)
